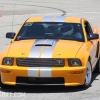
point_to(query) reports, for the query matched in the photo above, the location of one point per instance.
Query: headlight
(8, 61)
(74, 62)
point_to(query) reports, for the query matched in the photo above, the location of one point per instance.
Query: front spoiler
(26, 84)
(73, 76)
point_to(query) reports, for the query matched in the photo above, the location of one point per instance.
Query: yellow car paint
(65, 49)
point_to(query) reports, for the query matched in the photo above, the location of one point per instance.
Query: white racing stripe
(35, 50)
(48, 50)
(47, 53)
(60, 19)
(34, 53)
(33, 71)
(47, 19)
(45, 72)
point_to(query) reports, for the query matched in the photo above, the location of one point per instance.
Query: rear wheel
(97, 69)
(88, 76)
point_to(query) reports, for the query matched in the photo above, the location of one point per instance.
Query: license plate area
(39, 80)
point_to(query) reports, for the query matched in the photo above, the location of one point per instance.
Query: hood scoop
(43, 45)
(47, 43)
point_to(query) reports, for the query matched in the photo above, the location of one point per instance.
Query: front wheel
(88, 76)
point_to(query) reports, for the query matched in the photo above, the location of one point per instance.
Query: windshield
(51, 30)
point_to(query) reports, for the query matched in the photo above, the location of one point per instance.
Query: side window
(88, 29)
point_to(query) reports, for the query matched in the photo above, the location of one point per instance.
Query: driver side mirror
(10, 35)
(93, 37)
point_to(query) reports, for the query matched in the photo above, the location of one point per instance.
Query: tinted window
(51, 30)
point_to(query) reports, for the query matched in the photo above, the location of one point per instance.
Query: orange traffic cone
(0, 15)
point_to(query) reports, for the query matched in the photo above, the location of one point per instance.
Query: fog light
(5, 71)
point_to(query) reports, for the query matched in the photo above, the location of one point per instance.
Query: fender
(97, 52)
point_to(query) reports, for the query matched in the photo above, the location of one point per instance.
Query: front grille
(34, 80)
(40, 62)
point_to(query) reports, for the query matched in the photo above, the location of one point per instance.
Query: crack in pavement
(63, 11)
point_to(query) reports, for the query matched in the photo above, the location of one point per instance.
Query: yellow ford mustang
(51, 50)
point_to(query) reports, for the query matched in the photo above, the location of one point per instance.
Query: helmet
(67, 30)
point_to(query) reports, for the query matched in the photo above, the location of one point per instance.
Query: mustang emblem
(58, 54)
(59, 61)
(23, 53)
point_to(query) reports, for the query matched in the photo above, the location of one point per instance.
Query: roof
(54, 19)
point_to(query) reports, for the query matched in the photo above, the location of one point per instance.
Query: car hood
(44, 48)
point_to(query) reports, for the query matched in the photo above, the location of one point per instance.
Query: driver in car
(69, 31)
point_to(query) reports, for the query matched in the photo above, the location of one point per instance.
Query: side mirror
(10, 35)
(93, 37)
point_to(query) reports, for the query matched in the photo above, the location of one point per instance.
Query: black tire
(97, 69)
(88, 77)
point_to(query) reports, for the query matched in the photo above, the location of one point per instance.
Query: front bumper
(70, 76)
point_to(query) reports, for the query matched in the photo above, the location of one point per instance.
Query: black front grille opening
(34, 80)
(40, 62)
